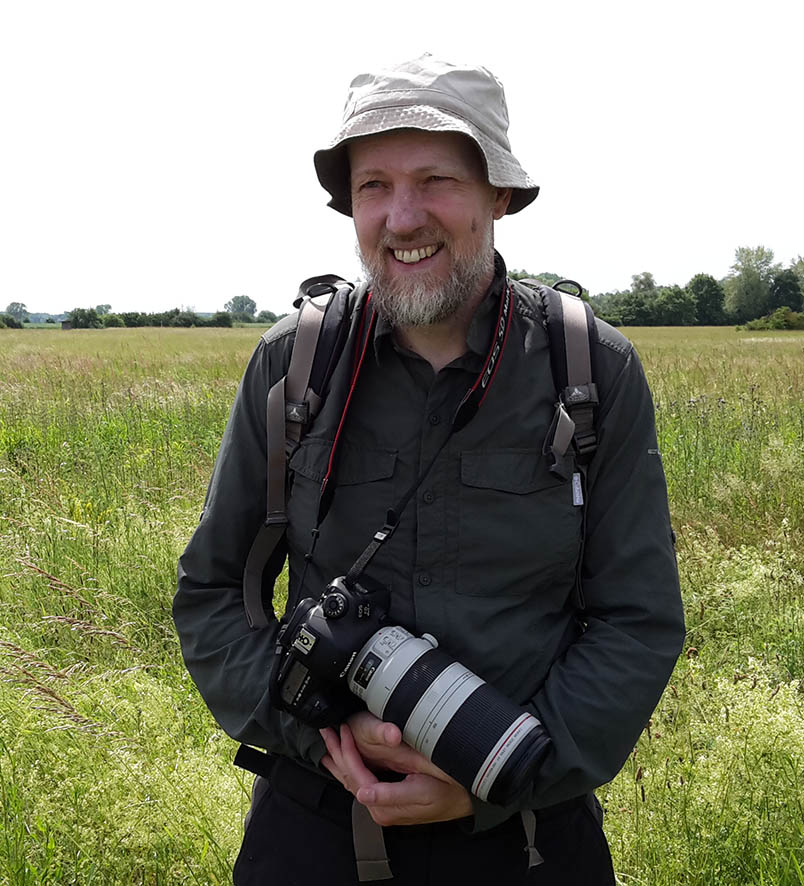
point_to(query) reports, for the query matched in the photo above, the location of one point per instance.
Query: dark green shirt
(486, 552)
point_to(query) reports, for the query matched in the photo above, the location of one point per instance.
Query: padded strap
(576, 340)
(272, 530)
(297, 381)
(580, 394)
(529, 824)
(370, 853)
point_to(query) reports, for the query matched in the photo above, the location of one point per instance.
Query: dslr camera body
(340, 654)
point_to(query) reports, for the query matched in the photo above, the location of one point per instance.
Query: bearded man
(563, 596)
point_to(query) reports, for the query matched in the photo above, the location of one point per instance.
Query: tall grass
(112, 771)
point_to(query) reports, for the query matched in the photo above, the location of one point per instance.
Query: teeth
(411, 256)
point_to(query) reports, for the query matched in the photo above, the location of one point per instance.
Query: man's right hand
(381, 747)
(365, 746)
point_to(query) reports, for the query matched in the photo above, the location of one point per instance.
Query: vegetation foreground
(111, 769)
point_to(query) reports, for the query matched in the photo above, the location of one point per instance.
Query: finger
(368, 729)
(351, 763)
(332, 743)
(411, 791)
(329, 764)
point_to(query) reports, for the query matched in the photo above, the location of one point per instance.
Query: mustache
(422, 236)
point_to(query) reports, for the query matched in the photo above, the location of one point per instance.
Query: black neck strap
(466, 411)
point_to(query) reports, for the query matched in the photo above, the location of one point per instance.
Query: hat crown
(470, 92)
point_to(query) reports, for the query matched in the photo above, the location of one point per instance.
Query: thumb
(391, 735)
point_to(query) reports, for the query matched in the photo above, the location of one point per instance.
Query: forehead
(411, 149)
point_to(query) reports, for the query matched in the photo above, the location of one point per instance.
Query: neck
(443, 342)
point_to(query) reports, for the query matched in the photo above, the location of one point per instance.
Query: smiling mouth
(413, 256)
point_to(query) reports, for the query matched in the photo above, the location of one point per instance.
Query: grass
(111, 769)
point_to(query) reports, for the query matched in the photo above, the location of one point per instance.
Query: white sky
(155, 154)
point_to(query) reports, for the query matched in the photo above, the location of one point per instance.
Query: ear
(501, 200)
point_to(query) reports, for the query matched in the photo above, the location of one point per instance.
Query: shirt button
(424, 579)
(434, 418)
(428, 497)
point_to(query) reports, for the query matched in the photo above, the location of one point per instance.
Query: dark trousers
(306, 840)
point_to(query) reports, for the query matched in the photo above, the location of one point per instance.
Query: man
(485, 555)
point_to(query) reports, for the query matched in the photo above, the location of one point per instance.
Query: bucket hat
(434, 95)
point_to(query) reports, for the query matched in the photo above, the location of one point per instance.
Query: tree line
(758, 293)
(240, 309)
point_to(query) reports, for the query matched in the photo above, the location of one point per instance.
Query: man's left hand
(426, 794)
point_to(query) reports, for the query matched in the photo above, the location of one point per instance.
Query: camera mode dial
(335, 605)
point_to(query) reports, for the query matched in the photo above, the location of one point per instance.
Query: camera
(340, 654)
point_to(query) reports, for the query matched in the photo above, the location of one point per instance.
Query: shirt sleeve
(599, 695)
(229, 661)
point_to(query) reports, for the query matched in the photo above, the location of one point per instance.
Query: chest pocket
(520, 532)
(364, 492)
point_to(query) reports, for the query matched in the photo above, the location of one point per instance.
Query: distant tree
(607, 306)
(546, 277)
(781, 318)
(18, 311)
(266, 317)
(101, 310)
(9, 322)
(673, 306)
(643, 282)
(186, 319)
(797, 267)
(221, 318)
(785, 291)
(241, 304)
(85, 318)
(708, 296)
(748, 286)
(110, 320)
(636, 308)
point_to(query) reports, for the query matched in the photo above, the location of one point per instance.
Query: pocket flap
(508, 470)
(356, 464)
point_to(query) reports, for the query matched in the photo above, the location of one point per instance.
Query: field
(112, 771)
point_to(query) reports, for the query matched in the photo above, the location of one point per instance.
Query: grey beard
(425, 302)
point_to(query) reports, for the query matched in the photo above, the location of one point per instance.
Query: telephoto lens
(464, 725)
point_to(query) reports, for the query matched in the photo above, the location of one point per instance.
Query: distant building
(66, 324)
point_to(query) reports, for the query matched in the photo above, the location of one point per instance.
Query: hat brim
(502, 168)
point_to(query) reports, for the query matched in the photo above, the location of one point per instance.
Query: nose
(406, 211)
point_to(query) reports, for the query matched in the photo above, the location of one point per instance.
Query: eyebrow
(420, 170)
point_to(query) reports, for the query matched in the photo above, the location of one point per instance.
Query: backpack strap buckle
(298, 413)
(581, 401)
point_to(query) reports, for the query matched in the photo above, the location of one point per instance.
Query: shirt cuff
(486, 816)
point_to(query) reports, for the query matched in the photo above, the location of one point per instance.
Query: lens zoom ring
(413, 686)
(472, 732)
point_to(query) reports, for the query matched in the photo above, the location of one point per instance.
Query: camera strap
(466, 411)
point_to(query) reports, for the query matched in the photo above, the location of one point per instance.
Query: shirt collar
(478, 337)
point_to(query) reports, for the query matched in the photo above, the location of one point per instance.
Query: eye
(438, 178)
(370, 185)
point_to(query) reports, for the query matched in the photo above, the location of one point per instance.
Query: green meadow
(113, 772)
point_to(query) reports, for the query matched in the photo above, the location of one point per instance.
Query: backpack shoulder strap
(293, 402)
(571, 332)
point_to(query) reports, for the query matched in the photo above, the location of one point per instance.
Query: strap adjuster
(580, 395)
(297, 412)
